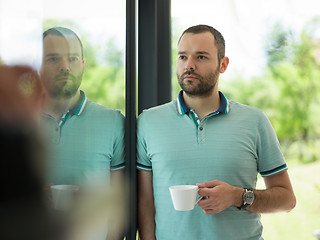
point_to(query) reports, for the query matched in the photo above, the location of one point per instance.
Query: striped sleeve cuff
(143, 167)
(274, 171)
(118, 167)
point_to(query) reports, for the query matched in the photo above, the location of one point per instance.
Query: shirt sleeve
(117, 161)
(143, 159)
(270, 157)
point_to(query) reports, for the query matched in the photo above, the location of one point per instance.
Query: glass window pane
(83, 112)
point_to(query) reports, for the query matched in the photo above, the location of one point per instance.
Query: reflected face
(198, 68)
(62, 66)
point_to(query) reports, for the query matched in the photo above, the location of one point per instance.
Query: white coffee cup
(184, 197)
(63, 196)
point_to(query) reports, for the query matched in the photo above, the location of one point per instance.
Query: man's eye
(181, 57)
(202, 57)
(53, 59)
(73, 59)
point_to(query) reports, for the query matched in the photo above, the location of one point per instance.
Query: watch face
(249, 197)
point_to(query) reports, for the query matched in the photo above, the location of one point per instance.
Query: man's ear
(224, 64)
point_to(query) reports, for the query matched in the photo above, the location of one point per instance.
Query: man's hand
(218, 196)
(278, 196)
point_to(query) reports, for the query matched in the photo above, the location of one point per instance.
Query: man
(86, 138)
(201, 137)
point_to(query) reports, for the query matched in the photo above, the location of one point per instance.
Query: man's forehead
(203, 36)
(200, 42)
(62, 43)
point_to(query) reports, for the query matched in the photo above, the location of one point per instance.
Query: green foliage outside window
(287, 90)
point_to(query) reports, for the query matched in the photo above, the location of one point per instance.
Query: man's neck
(57, 107)
(203, 105)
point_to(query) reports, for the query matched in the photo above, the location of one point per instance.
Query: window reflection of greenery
(104, 74)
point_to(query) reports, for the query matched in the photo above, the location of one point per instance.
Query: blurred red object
(21, 94)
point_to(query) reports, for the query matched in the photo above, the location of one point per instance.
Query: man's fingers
(205, 203)
(210, 184)
(204, 192)
(210, 211)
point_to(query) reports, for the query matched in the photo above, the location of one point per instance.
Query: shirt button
(200, 128)
(57, 129)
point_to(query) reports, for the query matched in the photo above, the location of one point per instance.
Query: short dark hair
(219, 40)
(62, 31)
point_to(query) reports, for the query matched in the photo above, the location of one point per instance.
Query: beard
(203, 88)
(65, 89)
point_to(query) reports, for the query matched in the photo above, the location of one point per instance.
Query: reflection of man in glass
(86, 138)
(205, 139)
(63, 65)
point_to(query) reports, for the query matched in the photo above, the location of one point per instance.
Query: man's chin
(63, 94)
(190, 89)
(197, 92)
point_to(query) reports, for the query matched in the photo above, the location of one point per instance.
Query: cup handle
(198, 198)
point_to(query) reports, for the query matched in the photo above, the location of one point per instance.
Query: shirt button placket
(201, 133)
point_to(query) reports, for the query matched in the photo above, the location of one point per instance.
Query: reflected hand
(218, 196)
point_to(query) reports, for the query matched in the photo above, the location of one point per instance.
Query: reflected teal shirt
(85, 144)
(233, 145)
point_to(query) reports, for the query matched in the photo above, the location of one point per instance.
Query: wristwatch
(248, 198)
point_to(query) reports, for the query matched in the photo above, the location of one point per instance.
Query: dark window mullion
(130, 122)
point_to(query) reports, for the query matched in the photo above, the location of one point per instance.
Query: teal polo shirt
(233, 145)
(84, 144)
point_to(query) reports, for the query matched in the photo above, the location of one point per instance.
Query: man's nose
(190, 65)
(64, 65)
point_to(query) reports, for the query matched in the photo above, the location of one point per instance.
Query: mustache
(191, 73)
(64, 74)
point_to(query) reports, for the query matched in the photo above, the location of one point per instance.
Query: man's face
(198, 67)
(62, 66)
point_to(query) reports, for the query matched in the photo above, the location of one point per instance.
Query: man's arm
(146, 210)
(116, 229)
(278, 196)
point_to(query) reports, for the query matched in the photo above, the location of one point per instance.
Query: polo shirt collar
(183, 109)
(78, 109)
